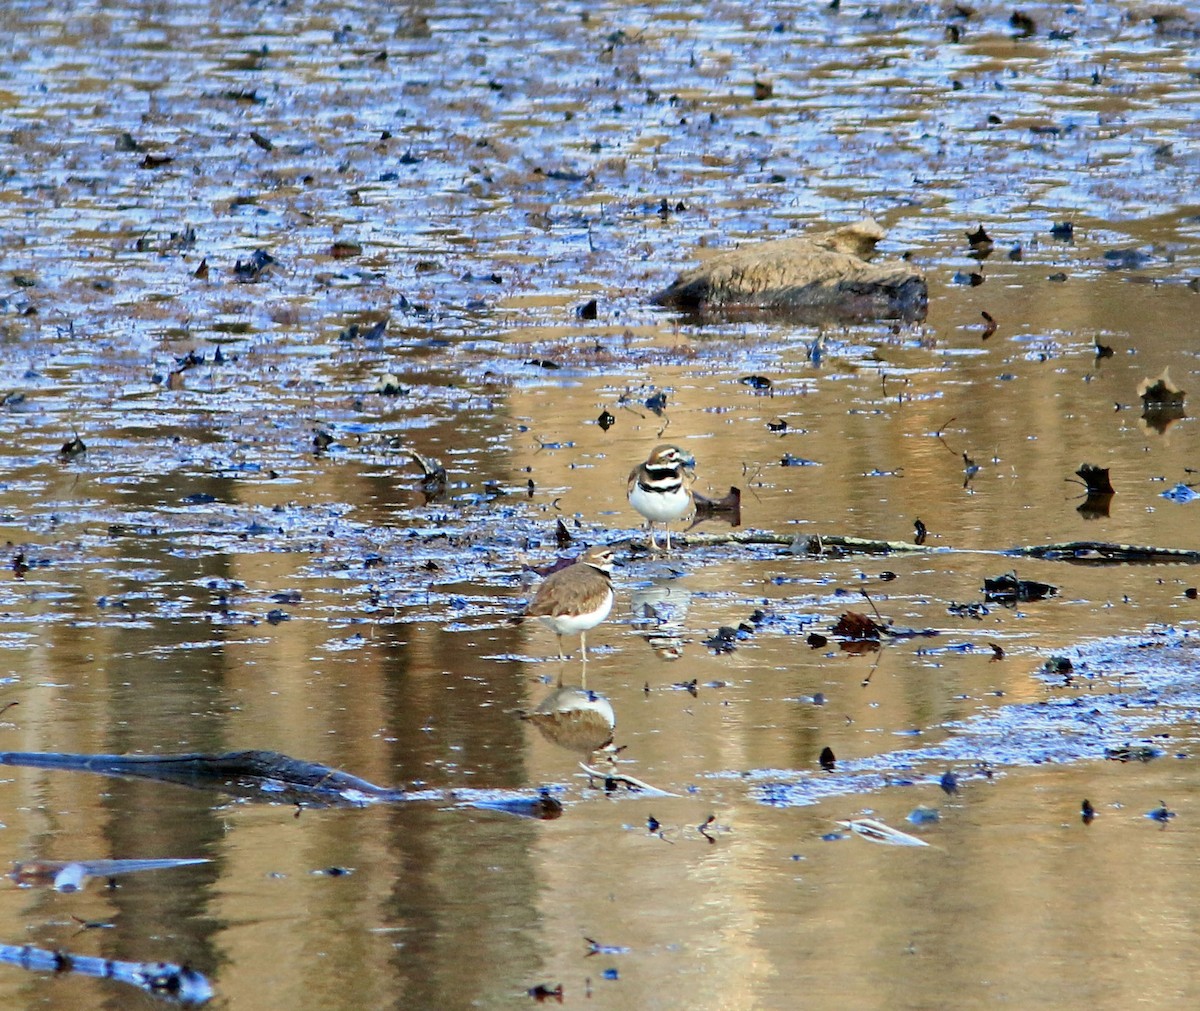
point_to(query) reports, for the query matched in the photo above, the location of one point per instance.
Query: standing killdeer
(576, 598)
(661, 488)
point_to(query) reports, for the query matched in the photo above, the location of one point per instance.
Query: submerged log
(177, 983)
(268, 775)
(824, 276)
(239, 772)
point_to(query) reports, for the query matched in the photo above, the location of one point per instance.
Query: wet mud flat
(317, 322)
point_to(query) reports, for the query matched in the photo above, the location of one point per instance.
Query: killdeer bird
(661, 488)
(576, 598)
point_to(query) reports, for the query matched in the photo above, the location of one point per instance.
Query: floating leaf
(1096, 479)
(1008, 589)
(854, 625)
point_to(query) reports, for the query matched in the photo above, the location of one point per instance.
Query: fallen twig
(629, 781)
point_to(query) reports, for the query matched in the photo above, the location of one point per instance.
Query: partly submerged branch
(809, 544)
(1085, 552)
(1100, 552)
(173, 982)
(270, 776)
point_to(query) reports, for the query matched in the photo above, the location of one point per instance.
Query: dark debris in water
(1008, 589)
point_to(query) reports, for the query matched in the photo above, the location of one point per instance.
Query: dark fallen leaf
(997, 651)
(1063, 231)
(657, 403)
(979, 238)
(1126, 259)
(816, 640)
(826, 759)
(1161, 813)
(756, 382)
(1009, 589)
(777, 426)
(1087, 812)
(1103, 350)
(589, 310)
(605, 421)
(201, 272)
(1132, 753)
(1058, 277)
(854, 625)
(1096, 479)
(251, 269)
(949, 783)
(1058, 665)
(322, 441)
(543, 363)
(154, 161)
(344, 249)
(72, 448)
(562, 536)
(1023, 24)
(542, 993)
(1191, 593)
(261, 141)
(724, 640)
(990, 325)
(763, 90)
(974, 609)
(919, 531)
(1160, 394)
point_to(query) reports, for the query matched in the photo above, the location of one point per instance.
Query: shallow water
(203, 579)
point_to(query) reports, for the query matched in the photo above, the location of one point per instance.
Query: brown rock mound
(824, 276)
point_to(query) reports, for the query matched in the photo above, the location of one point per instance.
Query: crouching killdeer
(661, 488)
(576, 598)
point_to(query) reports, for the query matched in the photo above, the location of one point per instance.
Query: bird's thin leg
(583, 645)
(561, 654)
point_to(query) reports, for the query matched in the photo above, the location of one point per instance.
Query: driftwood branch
(811, 544)
(629, 782)
(272, 777)
(1084, 552)
(1099, 552)
(173, 982)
